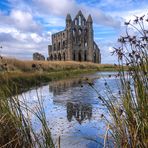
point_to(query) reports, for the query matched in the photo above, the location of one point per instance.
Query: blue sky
(26, 25)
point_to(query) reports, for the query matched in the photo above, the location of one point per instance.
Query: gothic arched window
(51, 57)
(55, 57)
(74, 56)
(85, 56)
(59, 57)
(85, 31)
(74, 33)
(59, 45)
(64, 56)
(80, 20)
(83, 22)
(54, 46)
(80, 31)
(85, 44)
(79, 56)
(94, 57)
(63, 44)
(76, 22)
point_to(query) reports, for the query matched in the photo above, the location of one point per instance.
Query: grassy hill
(29, 66)
(20, 75)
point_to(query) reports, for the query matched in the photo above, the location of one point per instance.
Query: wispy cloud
(26, 26)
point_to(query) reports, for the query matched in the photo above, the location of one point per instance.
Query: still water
(74, 111)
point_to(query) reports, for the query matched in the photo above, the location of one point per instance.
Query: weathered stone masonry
(38, 57)
(76, 42)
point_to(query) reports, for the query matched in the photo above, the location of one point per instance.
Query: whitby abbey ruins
(76, 42)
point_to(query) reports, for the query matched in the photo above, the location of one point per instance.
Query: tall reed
(129, 108)
(16, 128)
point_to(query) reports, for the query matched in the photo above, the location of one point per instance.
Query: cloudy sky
(26, 25)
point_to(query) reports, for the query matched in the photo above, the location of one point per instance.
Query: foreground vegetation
(16, 129)
(128, 110)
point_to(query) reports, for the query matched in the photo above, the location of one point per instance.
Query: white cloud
(23, 44)
(111, 49)
(21, 20)
(56, 8)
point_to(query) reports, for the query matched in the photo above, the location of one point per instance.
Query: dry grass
(128, 108)
(26, 66)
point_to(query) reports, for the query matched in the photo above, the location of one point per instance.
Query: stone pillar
(69, 37)
(90, 39)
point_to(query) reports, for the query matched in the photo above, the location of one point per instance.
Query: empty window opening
(85, 56)
(79, 57)
(80, 20)
(59, 57)
(74, 56)
(64, 56)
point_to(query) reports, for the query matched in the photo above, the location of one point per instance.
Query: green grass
(19, 81)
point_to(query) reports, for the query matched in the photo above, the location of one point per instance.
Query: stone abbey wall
(38, 57)
(76, 42)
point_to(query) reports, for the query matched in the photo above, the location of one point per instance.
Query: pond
(73, 110)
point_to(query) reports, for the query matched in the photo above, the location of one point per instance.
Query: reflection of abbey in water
(80, 112)
(61, 86)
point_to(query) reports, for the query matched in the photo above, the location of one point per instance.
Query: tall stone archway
(59, 57)
(79, 56)
(51, 57)
(64, 57)
(55, 57)
(95, 57)
(85, 55)
(74, 56)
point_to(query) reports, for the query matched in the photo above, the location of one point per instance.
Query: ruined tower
(75, 42)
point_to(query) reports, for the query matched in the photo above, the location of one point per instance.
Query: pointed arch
(63, 44)
(74, 32)
(55, 57)
(83, 22)
(80, 20)
(59, 57)
(95, 57)
(51, 57)
(80, 31)
(74, 55)
(85, 44)
(74, 35)
(79, 56)
(64, 57)
(76, 22)
(85, 31)
(85, 55)
(54, 47)
(59, 46)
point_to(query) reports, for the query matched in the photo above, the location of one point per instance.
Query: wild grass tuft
(16, 129)
(129, 108)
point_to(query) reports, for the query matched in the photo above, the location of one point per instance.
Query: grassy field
(26, 74)
(29, 66)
